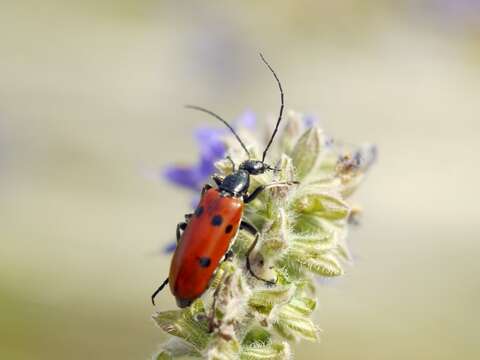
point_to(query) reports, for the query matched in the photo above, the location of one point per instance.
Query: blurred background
(91, 97)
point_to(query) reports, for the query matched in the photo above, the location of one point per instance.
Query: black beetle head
(255, 167)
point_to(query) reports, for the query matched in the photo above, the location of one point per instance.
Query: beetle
(206, 235)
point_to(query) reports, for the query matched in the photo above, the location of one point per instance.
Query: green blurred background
(91, 97)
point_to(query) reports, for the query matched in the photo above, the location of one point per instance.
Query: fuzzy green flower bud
(307, 151)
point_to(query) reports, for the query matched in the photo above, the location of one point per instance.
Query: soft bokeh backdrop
(91, 97)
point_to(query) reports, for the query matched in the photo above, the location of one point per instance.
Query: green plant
(303, 230)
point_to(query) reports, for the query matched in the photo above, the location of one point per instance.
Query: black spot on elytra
(228, 229)
(204, 261)
(217, 220)
(199, 211)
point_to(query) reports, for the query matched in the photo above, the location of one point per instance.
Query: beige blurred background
(91, 97)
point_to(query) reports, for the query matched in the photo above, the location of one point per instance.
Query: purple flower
(365, 156)
(194, 176)
(248, 120)
(309, 121)
(455, 15)
(462, 8)
(170, 247)
(212, 149)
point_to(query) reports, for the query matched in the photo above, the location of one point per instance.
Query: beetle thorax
(236, 183)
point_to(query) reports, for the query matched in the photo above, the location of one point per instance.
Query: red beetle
(204, 239)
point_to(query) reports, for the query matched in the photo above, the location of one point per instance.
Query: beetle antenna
(194, 107)
(281, 107)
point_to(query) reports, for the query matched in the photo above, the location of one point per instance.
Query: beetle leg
(218, 179)
(228, 255)
(180, 227)
(158, 290)
(249, 227)
(205, 188)
(253, 230)
(249, 268)
(261, 188)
